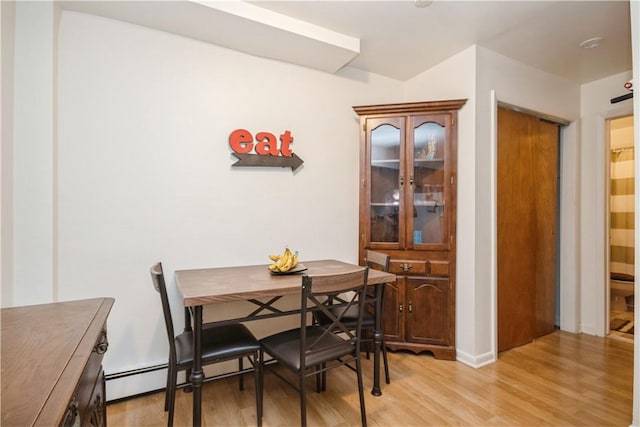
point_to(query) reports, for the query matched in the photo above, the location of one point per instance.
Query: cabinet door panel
(385, 180)
(392, 314)
(428, 157)
(428, 308)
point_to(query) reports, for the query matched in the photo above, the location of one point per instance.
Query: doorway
(621, 227)
(527, 211)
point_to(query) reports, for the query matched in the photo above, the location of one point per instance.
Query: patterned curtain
(622, 214)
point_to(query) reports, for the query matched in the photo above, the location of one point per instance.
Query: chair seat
(218, 343)
(349, 319)
(285, 346)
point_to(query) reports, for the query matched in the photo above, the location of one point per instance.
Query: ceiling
(395, 38)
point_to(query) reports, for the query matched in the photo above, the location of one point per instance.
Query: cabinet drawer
(439, 268)
(408, 266)
(421, 267)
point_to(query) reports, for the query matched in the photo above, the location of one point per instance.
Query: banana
(284, 258)
(289, 264)
(285, 262)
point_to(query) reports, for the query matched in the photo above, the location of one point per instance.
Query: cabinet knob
(401, 307)
(405, 267)
(102, 346)
(410, 307)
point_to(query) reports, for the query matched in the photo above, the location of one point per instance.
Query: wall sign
(269, 152)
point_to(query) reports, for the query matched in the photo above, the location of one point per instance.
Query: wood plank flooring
(561, 379)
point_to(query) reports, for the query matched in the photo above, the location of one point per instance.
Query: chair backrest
(377, 260)
(318, 293)
(157, 276)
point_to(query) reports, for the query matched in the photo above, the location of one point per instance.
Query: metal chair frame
(311, 350)
(374, 260)
(219, 344)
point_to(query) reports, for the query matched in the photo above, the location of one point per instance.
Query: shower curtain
(622, 213)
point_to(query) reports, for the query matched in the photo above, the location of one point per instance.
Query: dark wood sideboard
(52, 364)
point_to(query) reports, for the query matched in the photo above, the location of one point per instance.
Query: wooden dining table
(258, 286)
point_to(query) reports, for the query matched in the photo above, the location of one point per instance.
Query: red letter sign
(268, 145)
(286, 140)
(241, 141)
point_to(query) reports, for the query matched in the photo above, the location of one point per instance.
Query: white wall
(7, 39)
(145, 170)
(33, 151)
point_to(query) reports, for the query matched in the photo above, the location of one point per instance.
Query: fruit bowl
(297, 269)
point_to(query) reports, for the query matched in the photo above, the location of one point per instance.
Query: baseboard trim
(138, 371)
(475, 361)
(141, 382)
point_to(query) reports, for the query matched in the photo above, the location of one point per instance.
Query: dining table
(257, 285)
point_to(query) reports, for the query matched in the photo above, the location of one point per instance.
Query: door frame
(601, 327)
(606, 328)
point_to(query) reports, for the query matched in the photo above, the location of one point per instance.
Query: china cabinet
(408, 210)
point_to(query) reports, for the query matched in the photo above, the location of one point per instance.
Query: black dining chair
(311, 350)
(378, 261)
(219, 344)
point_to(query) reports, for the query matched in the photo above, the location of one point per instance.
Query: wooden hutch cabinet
(408, 210)
(52, 364)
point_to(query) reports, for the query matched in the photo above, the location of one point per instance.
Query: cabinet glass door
(429, 171)
(385, 203)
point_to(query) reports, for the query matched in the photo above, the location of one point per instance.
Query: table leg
(197, 376)
(377, 341)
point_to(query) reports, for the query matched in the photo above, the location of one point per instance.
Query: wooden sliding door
(527, 227)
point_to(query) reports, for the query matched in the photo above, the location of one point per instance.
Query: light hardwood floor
(561, 379)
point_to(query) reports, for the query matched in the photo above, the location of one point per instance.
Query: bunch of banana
(285, 262)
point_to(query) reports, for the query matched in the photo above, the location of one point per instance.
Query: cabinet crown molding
(411, 107)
